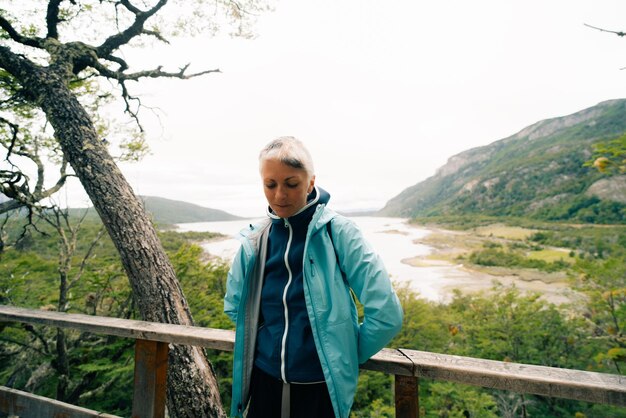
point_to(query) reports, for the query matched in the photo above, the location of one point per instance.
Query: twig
(618, 33)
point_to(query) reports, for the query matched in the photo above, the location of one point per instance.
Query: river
(392, 238)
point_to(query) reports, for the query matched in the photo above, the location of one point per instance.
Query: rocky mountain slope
(538, 172)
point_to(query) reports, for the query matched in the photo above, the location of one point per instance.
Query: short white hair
(290, 151)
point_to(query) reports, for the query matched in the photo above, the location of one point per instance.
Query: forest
(66, 263)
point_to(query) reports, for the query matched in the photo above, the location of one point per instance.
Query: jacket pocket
(318, 294)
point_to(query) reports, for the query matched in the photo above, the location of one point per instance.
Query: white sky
(382, 92)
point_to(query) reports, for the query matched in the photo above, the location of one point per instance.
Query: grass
(550, 255)
(504, 231)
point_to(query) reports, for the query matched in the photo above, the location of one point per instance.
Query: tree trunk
(62, 366)
(192, 386)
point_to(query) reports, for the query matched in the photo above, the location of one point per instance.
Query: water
(392, 238)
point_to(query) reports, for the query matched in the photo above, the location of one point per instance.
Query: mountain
(167, 211)
(175, 211)
(539, 172)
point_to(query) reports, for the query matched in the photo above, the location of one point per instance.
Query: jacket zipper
(283, 351)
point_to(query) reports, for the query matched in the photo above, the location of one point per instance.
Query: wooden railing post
(150, 379)
(407, 397)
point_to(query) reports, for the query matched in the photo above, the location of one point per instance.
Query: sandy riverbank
(450, 247)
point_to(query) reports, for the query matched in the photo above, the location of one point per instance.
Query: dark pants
(300, 401)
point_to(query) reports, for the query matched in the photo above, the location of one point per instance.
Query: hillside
(175, 211)
(539, 172)
(167, 211)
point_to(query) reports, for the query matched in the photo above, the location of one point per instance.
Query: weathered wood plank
(406, 396)
(150, 379)
(177, 334)
(390, 361)
(521, 378)
(27, 405)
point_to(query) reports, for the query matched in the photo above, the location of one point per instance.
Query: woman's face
(285, 187)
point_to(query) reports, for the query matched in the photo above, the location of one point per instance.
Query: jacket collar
(313, 198)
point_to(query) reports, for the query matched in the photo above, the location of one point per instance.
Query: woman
(290, 290)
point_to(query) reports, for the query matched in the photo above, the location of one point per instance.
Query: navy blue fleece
(301, 360)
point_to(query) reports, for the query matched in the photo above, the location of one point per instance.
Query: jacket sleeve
(368, 278)
(234, 285)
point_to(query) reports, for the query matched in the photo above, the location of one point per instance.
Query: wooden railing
(408, 366)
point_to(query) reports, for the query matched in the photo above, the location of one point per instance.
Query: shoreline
(447, 246)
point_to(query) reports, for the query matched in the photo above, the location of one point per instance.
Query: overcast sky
(382, 92)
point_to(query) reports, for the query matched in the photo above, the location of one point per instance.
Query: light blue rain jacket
(342, 343)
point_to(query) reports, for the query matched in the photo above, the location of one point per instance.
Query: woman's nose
(281, 192)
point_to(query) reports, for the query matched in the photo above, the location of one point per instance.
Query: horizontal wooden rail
(26, 405)
(411, 364)
(219, 339)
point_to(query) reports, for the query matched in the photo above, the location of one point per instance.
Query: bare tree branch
(21, 195)
(52, 19)
(123, 65)
(14, 131)
(17, 37)
(40, 173)
(10, 205)
(38, 335)
(86, 257)
(130, 7)
(3, 238)
(127, 99)
(156, 35)
(115, 41)
(618, 33)
(155, 73)
(15, 184)
(63, 176)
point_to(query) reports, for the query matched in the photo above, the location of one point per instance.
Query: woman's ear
(311, 185)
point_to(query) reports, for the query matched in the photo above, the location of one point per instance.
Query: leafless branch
(40, 173)
(123, 65)
(17, 37)
(618, 33)
(9, 206)
(14, 131)
(3, 234)
(52, 18)
(155, 73)
(15, 184)
(38, 335)
(63, 176)
(240, 9)
(127, 101)
(87, 255)
(130, 7)
(115, 41)
(156, 35)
